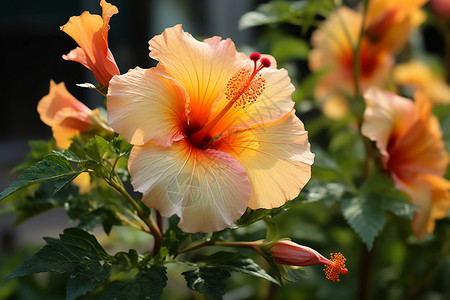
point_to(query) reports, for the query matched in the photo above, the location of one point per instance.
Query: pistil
(242, 89)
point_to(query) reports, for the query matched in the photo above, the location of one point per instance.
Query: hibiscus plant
(221, 166)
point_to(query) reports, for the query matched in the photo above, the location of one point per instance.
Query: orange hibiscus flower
(91, 34)
(332, 52)
(67, 116)
(386, 30)
(214, 132)
(410, 142)
(389, 22)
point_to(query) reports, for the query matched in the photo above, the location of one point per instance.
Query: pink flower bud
(286, 252)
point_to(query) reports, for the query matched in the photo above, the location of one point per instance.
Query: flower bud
(286, 252)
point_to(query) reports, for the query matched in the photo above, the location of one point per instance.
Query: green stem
(357, 55)
(154, 230)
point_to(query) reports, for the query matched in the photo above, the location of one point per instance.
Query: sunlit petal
(145, 106)
(203, 68)
(276, 157)
(207, 189)
(91, 34)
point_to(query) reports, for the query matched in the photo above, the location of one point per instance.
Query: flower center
(243, 88)
(337, 267)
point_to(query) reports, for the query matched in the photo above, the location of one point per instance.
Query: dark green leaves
(365, 212)
(148, 284)
(365, 215)
(77, 253)
(294, 12)
(54, 167)
(239, 263)
(207, 280)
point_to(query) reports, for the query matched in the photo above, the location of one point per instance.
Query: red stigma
(265, 62)
(255, 56)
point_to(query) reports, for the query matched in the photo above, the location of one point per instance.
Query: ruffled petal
(431, 194)
(207, 189)
(91, 34)
(276, 157)
(63, 136)
(202, 68)
(145, 106)
(58, 99)
(387, 116)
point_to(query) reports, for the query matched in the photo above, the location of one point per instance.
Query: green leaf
(53, 167)
(100, 206)
(294, 12)
(365, 212)
(39, 149)
(272, 12)
(365, 215)
(287, 48)
(77, 253)
(86, 278)
(239, 263)
(207, 280)
(75, 247)
(97, 148)
(120, 146)
(318, 191)
(293, 273)
(400, 208)
(42, 200)
(251, 216)
(148, 284)
(174, 238)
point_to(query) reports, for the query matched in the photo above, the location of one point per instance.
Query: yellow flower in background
(214, 131)
(67, 116)
(332, 51)
(418, 75)
(410, 141)
(91, 34)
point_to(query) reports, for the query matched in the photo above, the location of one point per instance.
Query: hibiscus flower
(214, 131)
(412, 151)
(91, 34)
(67, 116)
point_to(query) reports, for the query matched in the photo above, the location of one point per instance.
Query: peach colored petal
(63, 136)
(390, 22)
(418, 75)
(207, 189)
(83, 181)
(91, 34)
(143, 105)
(410, 141)
(431, 194)
(202, 68)
(57, 99)
(276, 157)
